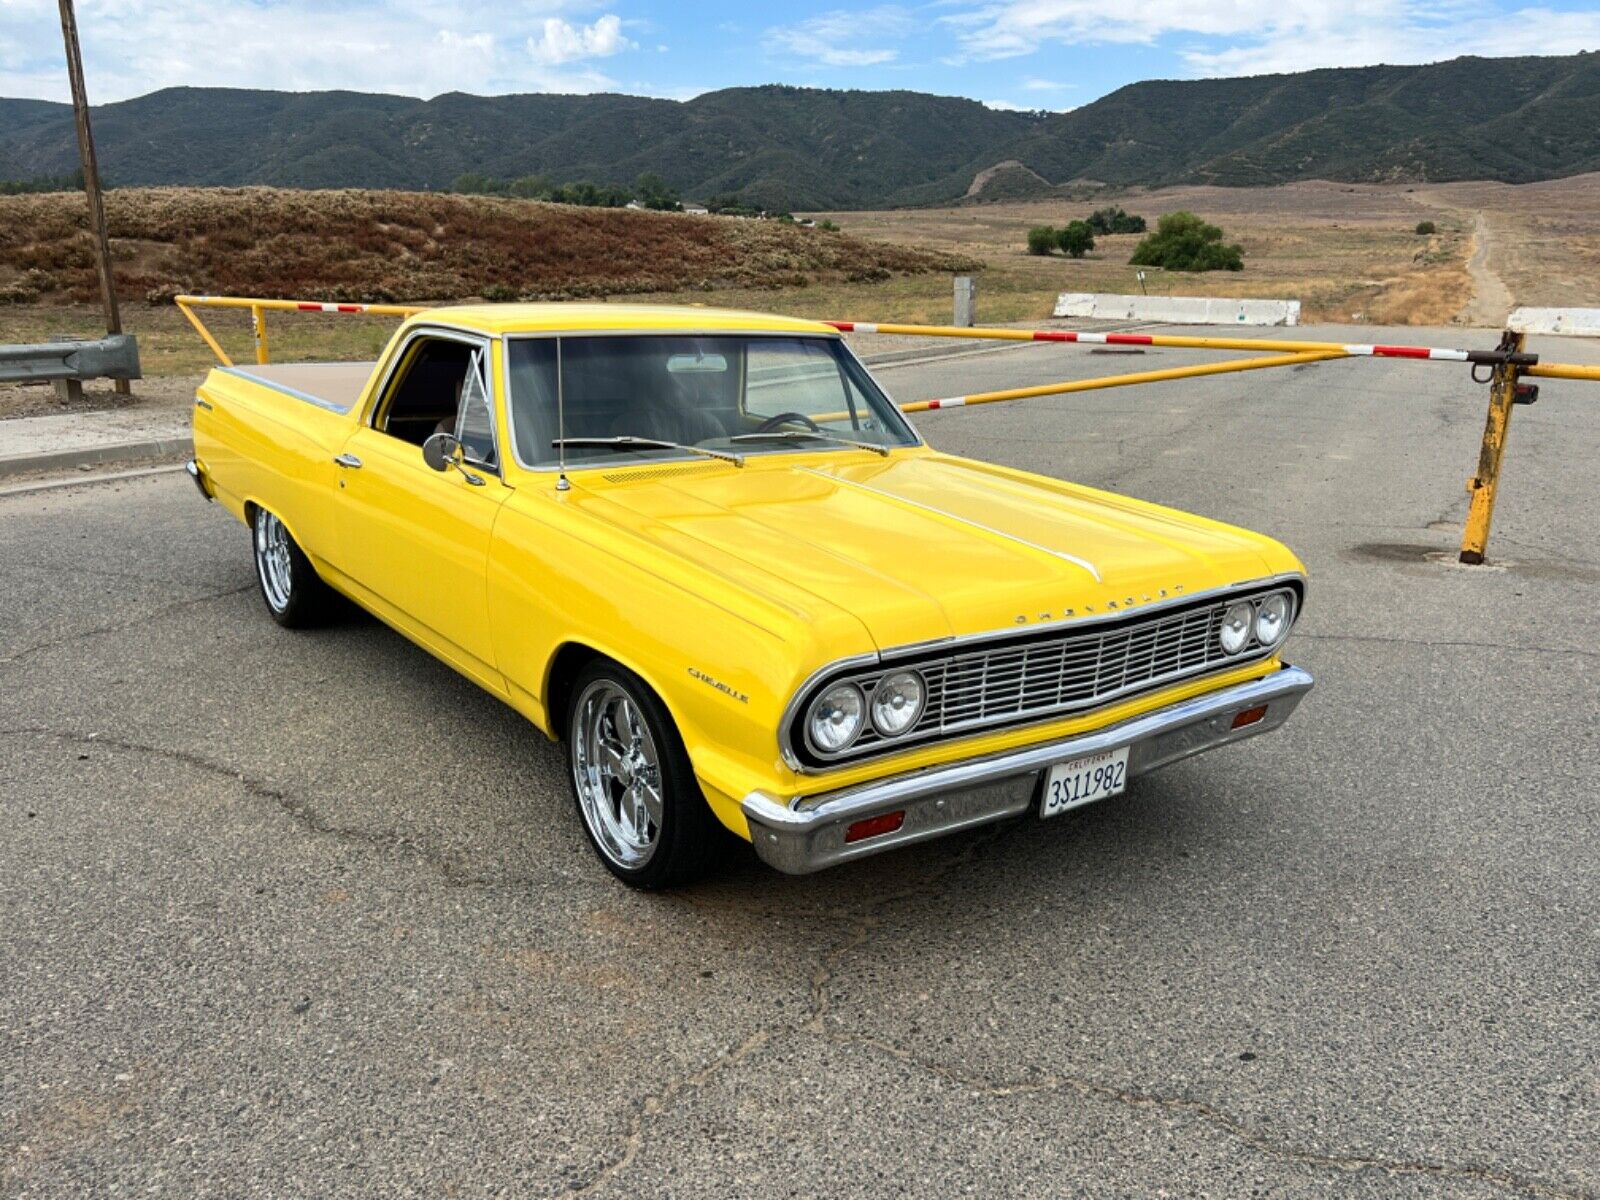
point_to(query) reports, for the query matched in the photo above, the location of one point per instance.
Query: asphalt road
(307, 915)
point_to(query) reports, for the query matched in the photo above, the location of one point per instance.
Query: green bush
(1114, 220)
(1427, 227)
(1183, 242)
(1041, 240)
(1076, 239)
(654, 192)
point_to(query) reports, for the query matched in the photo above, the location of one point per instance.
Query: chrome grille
(1021, 678)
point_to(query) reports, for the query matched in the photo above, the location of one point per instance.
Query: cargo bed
(335, 386)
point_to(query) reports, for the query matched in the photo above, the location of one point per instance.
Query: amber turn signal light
(1249, 716)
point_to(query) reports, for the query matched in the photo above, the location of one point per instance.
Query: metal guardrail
(1508, 363)
(69, 361)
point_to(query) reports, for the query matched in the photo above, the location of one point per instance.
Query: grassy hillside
(406, 246)
(1507, 119)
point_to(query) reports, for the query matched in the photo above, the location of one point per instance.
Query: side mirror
(441, 451)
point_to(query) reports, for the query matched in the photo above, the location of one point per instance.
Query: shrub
(1076, 239)
(1183, 242)
(1114, 220)
(828, 225)
(1041, 240)
(1427, 227)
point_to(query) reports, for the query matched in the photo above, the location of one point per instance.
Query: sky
(1023, 54)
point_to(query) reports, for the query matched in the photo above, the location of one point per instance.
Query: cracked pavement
(307, 914)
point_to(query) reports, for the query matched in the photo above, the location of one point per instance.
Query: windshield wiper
(626, 442)
(786, 435)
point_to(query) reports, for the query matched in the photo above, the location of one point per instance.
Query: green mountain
(1511, 119)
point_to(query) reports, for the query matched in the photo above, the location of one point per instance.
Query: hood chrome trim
(1083, 564)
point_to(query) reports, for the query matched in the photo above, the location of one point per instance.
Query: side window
(474, 419)
(441, 387)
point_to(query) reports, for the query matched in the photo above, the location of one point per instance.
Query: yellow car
(707, 552)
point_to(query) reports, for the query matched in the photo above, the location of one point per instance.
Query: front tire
(634, 787)
(294, 593)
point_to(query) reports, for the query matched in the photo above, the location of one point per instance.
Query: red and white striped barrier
(1287, 346)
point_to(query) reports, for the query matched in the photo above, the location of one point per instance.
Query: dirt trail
(1491, 299)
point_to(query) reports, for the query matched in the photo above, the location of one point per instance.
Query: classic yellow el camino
(707, 552)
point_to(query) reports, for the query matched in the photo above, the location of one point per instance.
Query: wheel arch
(570, 658)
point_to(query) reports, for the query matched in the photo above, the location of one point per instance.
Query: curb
(154, 450)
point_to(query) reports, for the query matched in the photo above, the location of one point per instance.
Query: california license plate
(1081, 781)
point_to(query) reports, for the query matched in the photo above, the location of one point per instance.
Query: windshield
(696, 391)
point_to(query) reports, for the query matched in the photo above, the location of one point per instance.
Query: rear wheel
(294, 594)
(635, 790)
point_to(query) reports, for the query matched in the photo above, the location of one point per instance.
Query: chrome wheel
(272, 561)
(617, 772)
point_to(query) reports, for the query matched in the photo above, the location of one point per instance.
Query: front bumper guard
(808, 833)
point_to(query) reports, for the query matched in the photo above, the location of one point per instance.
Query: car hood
(921, 546)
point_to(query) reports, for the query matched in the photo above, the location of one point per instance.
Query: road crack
(827, 970)
(119, 627)
(301, 812)
(1220, 1120)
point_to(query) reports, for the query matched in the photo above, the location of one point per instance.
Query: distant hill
(1508, 119)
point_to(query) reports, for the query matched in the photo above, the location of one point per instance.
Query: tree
(1183, 242)
(530, 187)
(1076, 239)
(1114, 220)
(1041, 240)
(1427, 227)
(654, 193)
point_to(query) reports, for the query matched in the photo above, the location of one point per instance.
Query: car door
(414, 540)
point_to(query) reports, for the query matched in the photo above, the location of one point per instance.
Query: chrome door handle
(348, 460)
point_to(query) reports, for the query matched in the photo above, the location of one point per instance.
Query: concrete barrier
(1177, 310)
(1565, 322)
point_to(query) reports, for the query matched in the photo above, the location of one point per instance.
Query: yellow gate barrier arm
(1110, 381)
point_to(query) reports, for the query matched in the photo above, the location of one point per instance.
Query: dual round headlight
(838, 716)
(1267, 620)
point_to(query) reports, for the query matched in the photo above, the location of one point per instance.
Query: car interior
(427, 399)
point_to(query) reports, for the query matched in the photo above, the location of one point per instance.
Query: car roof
(612, 318)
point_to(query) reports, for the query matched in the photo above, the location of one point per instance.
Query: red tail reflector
(1249, 716)
(869, 827)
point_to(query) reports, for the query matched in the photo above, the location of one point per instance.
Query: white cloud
(1242, 37)
(561, 42)
(1045, 85)
(1529, 31)
(409, 47)
(844, 39)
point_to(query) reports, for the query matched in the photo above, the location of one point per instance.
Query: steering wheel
(788, 418)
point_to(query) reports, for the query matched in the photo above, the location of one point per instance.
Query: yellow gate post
(1482, 486)
(258, 319)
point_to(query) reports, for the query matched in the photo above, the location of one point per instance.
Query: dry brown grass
(1544, 238)
(400, 246)
(1348, 253)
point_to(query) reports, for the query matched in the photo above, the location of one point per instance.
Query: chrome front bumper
(808, 833)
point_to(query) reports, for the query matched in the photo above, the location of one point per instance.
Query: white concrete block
(1564, 322)
(1177, 310)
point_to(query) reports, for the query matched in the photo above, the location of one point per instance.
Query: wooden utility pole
(91, 176)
